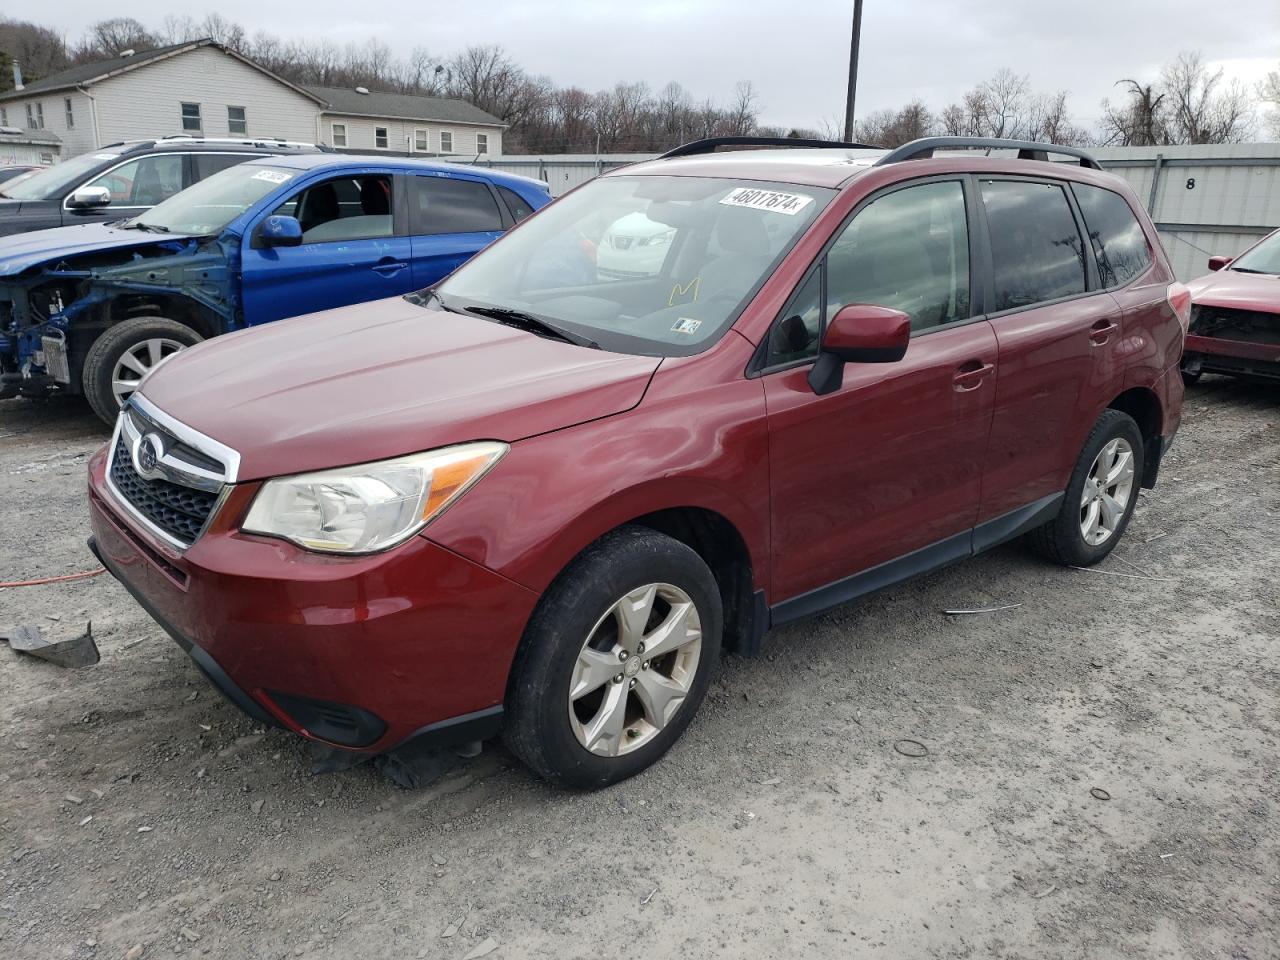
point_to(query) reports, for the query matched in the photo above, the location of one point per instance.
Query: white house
(202, 88)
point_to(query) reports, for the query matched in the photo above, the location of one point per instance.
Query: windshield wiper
(1249, 270)
(151, 227)
(531, 324)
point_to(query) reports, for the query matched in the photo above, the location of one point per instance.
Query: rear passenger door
(451, 218)
(1059, 335)
(353, 249)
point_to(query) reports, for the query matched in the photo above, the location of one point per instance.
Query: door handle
(969, 376)
(1101, 331)
(389, 266)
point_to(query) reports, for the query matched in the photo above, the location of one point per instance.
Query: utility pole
(853, 70)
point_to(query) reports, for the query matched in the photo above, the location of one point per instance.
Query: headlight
(371, 506)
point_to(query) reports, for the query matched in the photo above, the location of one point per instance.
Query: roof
(402, 106)
(14, 135)
(314, 161)
(99, 70)
(811, 167)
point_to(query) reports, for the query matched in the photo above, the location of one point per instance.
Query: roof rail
(710, 144)
(243, 141)
(923, 148)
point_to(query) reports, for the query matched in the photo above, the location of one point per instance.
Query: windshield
(211, 204)
(1264, 258)
(51, 184)
(651, 265)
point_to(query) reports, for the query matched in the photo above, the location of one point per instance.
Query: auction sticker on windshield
(273, 176)
(771, 200)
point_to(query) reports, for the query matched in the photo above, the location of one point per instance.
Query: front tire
(615, 660)
(1100, 497)
(121, 357)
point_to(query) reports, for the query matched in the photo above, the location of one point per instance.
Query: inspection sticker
(771, 200)
(686, 325)
(272, 176)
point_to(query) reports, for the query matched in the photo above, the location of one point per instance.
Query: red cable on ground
(84, 574)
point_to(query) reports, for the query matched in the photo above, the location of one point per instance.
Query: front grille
(179, 511)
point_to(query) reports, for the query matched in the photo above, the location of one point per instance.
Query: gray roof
(402, 106)
(89, 72)
(101, 69)
(15, 135)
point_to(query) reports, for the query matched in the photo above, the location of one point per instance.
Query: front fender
(695, 440)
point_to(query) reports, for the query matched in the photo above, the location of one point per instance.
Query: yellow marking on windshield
(679, 291)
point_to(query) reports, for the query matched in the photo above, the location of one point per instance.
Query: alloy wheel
(135, 363)
(1106, 492)
(635, 669)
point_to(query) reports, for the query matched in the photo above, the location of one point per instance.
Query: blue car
(90, 309)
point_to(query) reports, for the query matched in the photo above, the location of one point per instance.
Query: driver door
(886, 469)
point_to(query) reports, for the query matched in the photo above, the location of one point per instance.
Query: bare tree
(111, 37)
(1269, 93)
(38, 49)
(1201, 109)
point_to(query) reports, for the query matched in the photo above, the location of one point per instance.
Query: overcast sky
(794, 51)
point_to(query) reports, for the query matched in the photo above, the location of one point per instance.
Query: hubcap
(635, 669)
(1106, 492)
(136, 361)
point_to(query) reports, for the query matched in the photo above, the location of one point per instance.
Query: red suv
(542, 497)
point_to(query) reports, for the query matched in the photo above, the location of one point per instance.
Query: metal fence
(1204, 200)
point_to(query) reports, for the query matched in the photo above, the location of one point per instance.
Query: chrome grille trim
(138, 418)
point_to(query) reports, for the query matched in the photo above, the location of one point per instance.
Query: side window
(446, 205)
(796, 335)
(1036, 250)
(346, 208)
(1118, 242)
(208, 164)
(143, 182)
(908, 250)
(516, 204)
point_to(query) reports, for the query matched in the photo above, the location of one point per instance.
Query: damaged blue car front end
(60, 288)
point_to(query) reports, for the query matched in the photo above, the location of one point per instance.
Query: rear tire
(1096, 511)
(568, 716)
(123, 354)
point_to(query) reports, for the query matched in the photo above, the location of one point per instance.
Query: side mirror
(89, 198)
(859, 333)
(281, 231)
(1217, 263)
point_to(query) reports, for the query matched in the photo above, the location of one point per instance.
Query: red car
(1235, 315)
(539, 499)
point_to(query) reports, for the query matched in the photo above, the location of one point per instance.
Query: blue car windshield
(654, 265)
(211, 204)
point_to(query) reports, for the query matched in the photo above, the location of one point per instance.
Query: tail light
(1179, 298)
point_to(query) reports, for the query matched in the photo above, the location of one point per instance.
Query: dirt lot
(137, 808)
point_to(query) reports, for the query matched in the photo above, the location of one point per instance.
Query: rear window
(445, 205)
(1036, 250)
(1118, 242)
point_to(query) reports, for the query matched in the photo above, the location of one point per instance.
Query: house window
(421, 142)
(35, 116)
(191, 118)
(339, 134)
(71, 117)
(482, 143)
(4, 117)
(237, 121)
(446, 141)
(380, 137)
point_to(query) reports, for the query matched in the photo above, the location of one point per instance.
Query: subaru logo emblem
(146, 456)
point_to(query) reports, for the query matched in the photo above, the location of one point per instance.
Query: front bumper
(363, 653)
(1242, 357)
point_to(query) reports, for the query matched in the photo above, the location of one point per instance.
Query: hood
(385, 379)
(26, 250)
(1236, 290)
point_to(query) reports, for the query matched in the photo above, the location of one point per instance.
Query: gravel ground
(141, 816)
